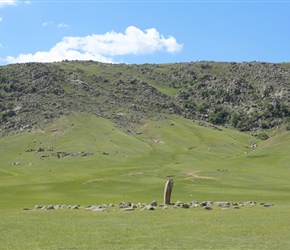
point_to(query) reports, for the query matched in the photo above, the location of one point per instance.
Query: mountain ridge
(247, 96)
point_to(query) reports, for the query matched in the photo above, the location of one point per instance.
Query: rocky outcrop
(247, 96)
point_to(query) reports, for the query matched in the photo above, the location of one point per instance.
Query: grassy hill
(82, 158)
(88, 133)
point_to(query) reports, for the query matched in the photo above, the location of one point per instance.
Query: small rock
(178, 203)
(100, 210)
(128, 209)
(125, 204)
(50, 207)
(185, 205)
(148, 207)
(268, 205)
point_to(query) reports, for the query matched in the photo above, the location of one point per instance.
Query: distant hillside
(246, 96)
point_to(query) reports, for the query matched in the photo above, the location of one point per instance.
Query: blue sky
(144, 31)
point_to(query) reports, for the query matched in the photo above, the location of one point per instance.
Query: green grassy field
(104, 164)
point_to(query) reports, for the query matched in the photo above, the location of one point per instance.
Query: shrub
(219, 117)
(262, 136)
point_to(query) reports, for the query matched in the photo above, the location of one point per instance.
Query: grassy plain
(206, 164)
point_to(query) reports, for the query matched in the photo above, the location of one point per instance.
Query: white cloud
(62, 25)
(1, 19)
(7, 2)
(104, 47)
(47, 23)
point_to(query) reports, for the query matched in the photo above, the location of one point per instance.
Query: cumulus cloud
(7, 2)
(103, 47)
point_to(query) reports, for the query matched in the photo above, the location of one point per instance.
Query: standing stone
(167, 191)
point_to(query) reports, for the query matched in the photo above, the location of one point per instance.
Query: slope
(84, 159)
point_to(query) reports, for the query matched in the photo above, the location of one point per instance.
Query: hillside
(247, 96)
(80, 158)
(79, 136)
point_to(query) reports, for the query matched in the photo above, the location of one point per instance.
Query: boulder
(178, 203)
(75, 207)
(50, 207)
(125, 204)
(148, 207)
(185, 205)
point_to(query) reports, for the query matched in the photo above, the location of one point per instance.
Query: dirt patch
(194, 175)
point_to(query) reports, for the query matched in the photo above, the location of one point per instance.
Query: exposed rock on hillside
(246, 96)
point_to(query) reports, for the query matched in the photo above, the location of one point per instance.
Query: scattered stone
(100, 210)
(75, 207)
(222, 204)
(102, 206)
(128, 208)
(148, 207)
(194, 204)
(30, 150)
(268, 205)
(178, 203)
(90, 207)
(185, 205)
(40, 150)
(50, 207)
(125, 204)
(249, 203)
